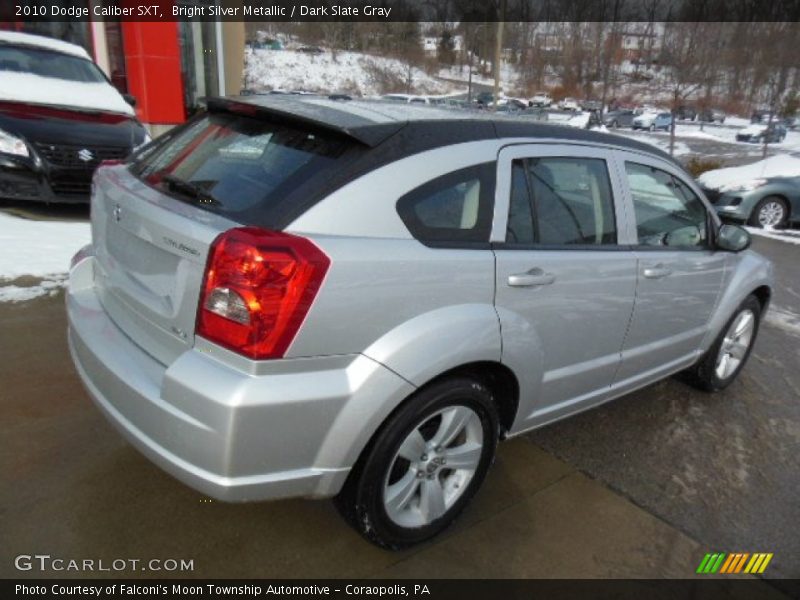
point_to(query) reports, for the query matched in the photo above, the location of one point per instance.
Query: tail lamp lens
(258, 288)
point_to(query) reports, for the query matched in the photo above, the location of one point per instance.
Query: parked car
(759, 133)
(585, 120)
(622, 117)
(686, 113)
(569, 104)
(652, 121)
(711, 115)
(292, 297)
(761, 202)
(59, 118)
(484, 98)
(511, 105)
(541, 99)
(792, 123)
(762, 116)
(591, 105)
(406, 99)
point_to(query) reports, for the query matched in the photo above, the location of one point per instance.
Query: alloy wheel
(735, 344)
(771, 214)
(433, 466)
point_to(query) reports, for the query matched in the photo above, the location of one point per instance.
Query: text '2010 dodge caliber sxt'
(304, 297)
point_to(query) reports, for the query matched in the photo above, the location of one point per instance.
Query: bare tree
(687, 54)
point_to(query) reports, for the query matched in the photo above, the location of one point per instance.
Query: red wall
(153, 66)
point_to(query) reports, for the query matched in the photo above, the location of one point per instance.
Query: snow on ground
(774, 166)
(40, 249)
(351, 72)
(660, 140)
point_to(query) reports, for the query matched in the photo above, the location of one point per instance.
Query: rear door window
(569, 202)
(454, 209)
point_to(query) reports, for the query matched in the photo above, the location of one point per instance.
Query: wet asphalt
(723, 468)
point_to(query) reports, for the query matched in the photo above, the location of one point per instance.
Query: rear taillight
(257, 290)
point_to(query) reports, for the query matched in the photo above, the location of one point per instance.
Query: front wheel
(726, 358)
(424, 465)
(770, 212)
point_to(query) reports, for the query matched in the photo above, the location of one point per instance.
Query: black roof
(423, 127)
(379, 133)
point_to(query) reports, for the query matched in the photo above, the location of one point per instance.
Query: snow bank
(30, 88)
(40, 249)
(351, 72)
(781, 165)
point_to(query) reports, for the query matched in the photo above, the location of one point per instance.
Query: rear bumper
(232, 435)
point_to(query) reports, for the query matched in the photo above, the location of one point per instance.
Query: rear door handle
(534, 277)
(656, 272)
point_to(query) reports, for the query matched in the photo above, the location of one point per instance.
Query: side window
(667, 212)
(569, 202)
(452, 209)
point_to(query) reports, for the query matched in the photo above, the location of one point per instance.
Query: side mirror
(130, 99)
(733, 238)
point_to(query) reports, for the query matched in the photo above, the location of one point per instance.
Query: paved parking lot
(642, 487)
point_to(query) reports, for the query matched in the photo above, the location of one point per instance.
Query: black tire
(703, 374)
(754, 216)
(361, 500)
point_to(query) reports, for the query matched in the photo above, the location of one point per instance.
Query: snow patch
(47, 287)
(30, 88)
(790, 237)
(351, 72)
(38, 248)
(780, 165)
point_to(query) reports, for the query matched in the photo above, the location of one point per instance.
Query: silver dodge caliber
(305, 297)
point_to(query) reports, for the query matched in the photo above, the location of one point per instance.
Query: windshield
(239, 166)
(44, 63)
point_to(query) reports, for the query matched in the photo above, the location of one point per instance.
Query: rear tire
(405, 488)
(723, 362)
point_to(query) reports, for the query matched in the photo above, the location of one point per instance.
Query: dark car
(591, 105)
(686, 113)
(711, 115)
(622, 117)
(761, 116)
(760, 132)
(59, 119)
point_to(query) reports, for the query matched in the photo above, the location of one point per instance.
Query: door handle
(658, 271)
(534, 277)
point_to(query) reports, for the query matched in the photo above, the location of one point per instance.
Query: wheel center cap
(431, 467)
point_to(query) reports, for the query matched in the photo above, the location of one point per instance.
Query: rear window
(242, 167)
(452, 210)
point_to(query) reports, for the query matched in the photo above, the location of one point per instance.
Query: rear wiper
(192, 190)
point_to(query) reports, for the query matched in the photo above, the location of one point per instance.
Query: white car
(541, 99)
(406, 99)
(569, 104)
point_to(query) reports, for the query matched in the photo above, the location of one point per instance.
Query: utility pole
(498, 52)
